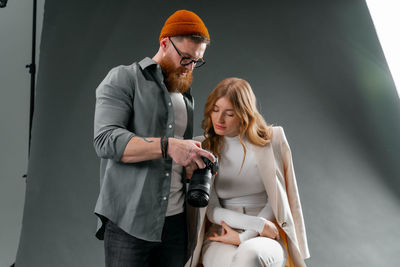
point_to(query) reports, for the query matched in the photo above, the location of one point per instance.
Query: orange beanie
(184, 22)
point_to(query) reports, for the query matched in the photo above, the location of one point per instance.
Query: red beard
(172, 76)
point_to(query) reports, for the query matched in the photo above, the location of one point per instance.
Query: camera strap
(195, 237)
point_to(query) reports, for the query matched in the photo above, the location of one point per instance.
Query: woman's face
(224, 119)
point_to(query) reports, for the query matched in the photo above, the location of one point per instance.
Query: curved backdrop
(317, 70)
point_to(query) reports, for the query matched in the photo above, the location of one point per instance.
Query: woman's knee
(260, 252)
(247, 257)
(217, 254)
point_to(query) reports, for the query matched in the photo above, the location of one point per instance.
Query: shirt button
(284, 224)
(164, 198)
(169, 104)
(170, 126)
(167, 174)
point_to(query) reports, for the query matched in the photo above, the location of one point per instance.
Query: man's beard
(172, 76)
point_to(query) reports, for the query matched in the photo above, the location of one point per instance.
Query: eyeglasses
(188, 60)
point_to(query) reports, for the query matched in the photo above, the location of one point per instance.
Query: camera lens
(198, 192)
(197, 198)
(199, 188)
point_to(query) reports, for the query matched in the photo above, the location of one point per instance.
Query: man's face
(177, 77)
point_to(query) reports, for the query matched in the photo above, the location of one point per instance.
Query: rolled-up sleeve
(114, 108)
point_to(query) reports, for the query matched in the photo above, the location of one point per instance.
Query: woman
(254, 204)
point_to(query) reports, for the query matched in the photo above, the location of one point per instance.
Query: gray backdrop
(15, 53)
(317, 69)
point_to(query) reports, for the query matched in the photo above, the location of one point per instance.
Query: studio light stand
(3, 3)
(32, 71)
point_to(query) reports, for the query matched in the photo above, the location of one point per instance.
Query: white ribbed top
(233, 180)
(237, 186)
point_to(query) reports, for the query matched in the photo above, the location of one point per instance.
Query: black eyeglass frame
(197, 63)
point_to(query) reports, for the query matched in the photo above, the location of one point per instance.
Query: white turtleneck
(241, 186)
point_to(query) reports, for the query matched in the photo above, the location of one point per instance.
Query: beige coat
(276, 169)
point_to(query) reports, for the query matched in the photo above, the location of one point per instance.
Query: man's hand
(270, 230)
(188, 153)
(190, 170)
(228, 235)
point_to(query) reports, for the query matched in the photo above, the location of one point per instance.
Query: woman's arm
(266, 213)
(254, 225)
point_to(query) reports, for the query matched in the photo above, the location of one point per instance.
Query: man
(144, 113)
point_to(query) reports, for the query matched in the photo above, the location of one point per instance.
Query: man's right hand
(188, 153)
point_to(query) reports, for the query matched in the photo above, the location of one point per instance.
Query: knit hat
(184, 22)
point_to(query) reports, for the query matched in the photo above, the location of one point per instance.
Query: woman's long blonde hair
(252, 125)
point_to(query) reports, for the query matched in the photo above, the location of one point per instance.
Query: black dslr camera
(199, 187)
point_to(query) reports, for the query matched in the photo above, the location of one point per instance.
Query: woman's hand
(270, 230)
(228, 235)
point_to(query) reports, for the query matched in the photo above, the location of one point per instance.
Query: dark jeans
(124, 250)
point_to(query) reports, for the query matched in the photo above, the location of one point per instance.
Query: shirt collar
(144, 63)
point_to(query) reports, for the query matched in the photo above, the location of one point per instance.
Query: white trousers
(255, 252)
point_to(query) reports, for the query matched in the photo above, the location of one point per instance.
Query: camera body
(198, 192)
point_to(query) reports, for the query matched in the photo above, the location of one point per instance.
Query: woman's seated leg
(260, 251)
(217, 254)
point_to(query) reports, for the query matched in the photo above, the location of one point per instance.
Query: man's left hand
(190, 170)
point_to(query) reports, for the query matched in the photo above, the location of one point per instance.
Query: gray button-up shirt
(133, 100)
